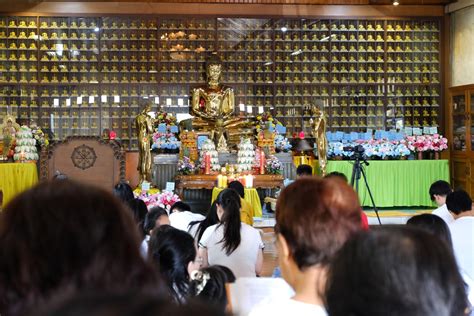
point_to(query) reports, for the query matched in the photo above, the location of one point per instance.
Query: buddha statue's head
(213, 70)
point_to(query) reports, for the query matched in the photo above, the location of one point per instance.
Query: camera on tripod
(358, 151)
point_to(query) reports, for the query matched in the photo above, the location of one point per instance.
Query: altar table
(396, 182)
(16, 178)
(203, 181)
(251, 196)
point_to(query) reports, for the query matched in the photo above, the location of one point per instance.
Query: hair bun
(200, 278)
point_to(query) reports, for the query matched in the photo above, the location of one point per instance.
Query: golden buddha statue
(144, 125)
(213, 107)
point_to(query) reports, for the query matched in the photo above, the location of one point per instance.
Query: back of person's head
(238, 187)
(210, 219)
(395, 271)
(174, 253)
(228, 205)
(123, 191)
(128, 304)
(304, 170)
(208, 285)
(315, 217)
(63, 236)
(336, 174)
(432, 224)
(156, 217)
(180, 207)
(139, 211)
(441, 188)
(458, 202)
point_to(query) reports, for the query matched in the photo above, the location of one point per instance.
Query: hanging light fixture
(395, 2)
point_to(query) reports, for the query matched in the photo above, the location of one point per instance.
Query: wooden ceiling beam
(221, 9)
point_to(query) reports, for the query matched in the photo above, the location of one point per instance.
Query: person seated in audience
(181, 216)
(232, 243)
(139, 211)
(128, 304)
(459, 203)
(246, 209)
(175, 255)
(62, 237)
(123, 191)
(439, 190)
(438, 227)
(314, 218)
(156, 217)
(340, 175)
(304, 171)
(208, 285)
(395, 271)
(197, 228)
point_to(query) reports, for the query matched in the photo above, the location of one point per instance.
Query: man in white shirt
(462, 230)
(181, 216)
(439, 190)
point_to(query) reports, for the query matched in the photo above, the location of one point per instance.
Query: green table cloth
(396, 182)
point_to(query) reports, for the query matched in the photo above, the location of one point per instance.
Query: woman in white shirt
(232, 243)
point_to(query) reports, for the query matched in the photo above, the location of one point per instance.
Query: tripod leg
(353, 176)
(370, 195)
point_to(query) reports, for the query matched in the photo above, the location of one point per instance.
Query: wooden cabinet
(461, 137)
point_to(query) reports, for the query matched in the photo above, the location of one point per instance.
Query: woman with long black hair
(197, 228)
(232, 243)
(173, 251)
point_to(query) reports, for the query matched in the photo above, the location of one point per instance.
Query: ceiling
(318, 2)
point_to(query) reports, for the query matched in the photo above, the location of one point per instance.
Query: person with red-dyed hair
(314, 218)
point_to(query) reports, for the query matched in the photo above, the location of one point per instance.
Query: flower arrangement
(273, 165)
(165, 141)
(165, 199)
(186, 166)
(389, 149)
(39, 136)
(424, 143)
(264, 121)
(165, 118)
(282, 143)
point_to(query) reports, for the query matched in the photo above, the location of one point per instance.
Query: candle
(242, 107)
(219, 181)
(249, 109)
(207, 163)
(248, 181)
(262, 162)
(224, 181)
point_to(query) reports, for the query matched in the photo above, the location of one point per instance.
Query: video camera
(357, 150)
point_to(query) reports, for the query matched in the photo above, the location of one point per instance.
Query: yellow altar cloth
(16, 178)
(251, 196)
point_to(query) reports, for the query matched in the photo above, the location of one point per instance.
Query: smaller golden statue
(319, 131)
(144, 125)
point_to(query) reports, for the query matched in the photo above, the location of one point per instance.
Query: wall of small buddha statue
(81, 75)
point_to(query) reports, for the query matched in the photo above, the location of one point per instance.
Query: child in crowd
(61, 238)
(246, 210)
(459, 203)
(208, 285)
(155, 218)
(314, 218)
(439, 190)
(181, 216)
(232, 243)
(197, 228)
(395, 271)
(175, 255)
